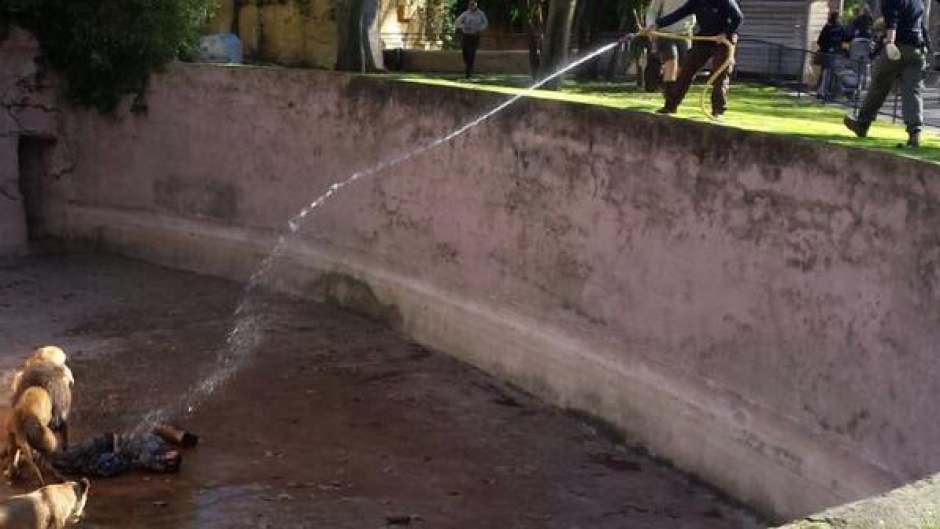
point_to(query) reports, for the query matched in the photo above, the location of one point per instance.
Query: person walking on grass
(670, 51)
(904, 57)
(716, 18)
(471, 24)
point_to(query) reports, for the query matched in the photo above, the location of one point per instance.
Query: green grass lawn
(750, 107)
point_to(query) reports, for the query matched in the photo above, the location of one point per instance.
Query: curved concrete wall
(29, 111)
(759, 310)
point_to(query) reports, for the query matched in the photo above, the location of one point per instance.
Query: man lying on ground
(110, 454)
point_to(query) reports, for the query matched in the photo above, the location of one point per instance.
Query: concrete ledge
(449, 61)
(916, 506)
(752, 453)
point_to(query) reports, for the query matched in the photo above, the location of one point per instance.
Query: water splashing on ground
(248, 330)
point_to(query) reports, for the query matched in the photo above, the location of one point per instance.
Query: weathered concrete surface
(30, 110)
(336, 422)
(759, 310)
(916, 506)
(487, 62)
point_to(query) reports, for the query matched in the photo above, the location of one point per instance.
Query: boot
(669, 94)
(913, 137)
(858, 127)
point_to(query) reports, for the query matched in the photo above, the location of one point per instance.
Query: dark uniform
(906, 17)
(109, 455)
(715, 17)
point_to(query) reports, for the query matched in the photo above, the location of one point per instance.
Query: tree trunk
(372, 37)
(358, 48)
(557, 38)
(626, 17)
(535, 27)
(590, 29)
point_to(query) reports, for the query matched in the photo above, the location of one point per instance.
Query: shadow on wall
(356, 296)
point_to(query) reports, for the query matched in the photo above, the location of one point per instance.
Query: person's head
(473, 5)
(834, 17)
(865, 11)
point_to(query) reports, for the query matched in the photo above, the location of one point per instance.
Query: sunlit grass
(751, 107)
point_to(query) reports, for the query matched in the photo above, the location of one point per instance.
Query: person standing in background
(830, 41)
(670, 51)
(720, 19)
(471, 23)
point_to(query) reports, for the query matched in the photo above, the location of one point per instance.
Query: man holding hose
(720, 20)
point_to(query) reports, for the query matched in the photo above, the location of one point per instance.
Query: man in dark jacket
(830, 42)
(862, 25)
(905, 57)
(716, 18)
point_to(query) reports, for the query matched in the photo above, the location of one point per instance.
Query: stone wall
(759, 310)
(31, 123)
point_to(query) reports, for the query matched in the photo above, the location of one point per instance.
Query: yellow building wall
(222, 18)
(403, 24)
(293, 32)
(303, 32)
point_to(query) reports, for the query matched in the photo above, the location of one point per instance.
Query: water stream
(247, 332)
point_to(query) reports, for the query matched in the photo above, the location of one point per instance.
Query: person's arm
(484, 22)
(891, 13)
(735, 19)
(927, 41)
(890, 35)
(460, 21)
(847, 35)
(823, 37)
(667, 20)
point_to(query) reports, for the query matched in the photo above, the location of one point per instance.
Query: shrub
(106, 49)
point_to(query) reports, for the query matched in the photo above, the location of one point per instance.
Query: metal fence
(840, 79)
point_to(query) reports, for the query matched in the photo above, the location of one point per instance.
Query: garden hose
(716, 72)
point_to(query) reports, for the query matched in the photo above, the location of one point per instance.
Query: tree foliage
(106, 49)
(442, 22)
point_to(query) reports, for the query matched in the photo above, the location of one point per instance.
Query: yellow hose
(710, 82)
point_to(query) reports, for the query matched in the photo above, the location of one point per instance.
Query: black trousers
(470, 44)
(690, 65)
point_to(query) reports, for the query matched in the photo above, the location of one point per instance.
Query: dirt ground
(336, 422)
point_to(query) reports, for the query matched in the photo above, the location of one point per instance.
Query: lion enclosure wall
(761, 311)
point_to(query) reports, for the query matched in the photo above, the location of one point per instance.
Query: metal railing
(833, 78)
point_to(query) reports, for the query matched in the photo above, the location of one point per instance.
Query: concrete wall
(914, 506)
(29, 111)
(759, 310)
(449, 61)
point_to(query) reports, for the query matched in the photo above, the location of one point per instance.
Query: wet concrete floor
(336, 422)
